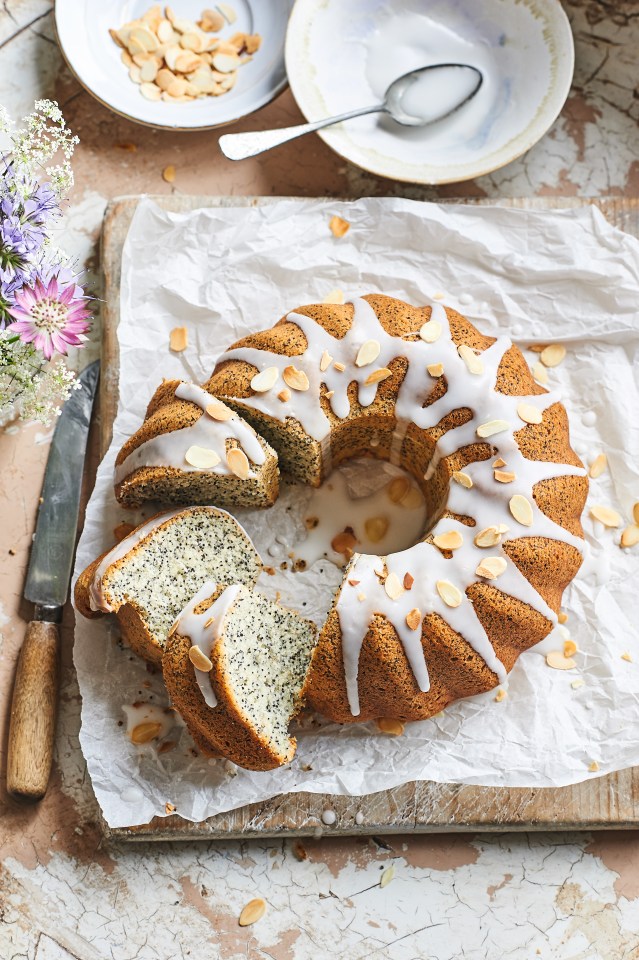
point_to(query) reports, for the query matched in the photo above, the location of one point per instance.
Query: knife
(35, 691)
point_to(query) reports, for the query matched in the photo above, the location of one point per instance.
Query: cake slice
(235, 665)
(147, 578)
(192, 448)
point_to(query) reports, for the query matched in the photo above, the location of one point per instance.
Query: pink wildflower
(50, 316)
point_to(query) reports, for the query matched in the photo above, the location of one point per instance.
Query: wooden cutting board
(603, 802)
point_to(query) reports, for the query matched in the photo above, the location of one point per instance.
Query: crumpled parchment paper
(538, 276)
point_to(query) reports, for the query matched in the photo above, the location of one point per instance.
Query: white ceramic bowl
(343, 55)
(83, 32)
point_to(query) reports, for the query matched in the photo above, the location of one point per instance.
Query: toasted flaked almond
(367, 353)
(598, 466)
(488, 537)
(552, 355)
(529, 413)
(408, 581)
(219, 411)
(143, 37)
(435, 369)
(499, 462)
(557, 661)
(575, 684)
(377, 376)
(225, 62)
(168, 806)
(334, 296)
(339, 366)
(474, 364)
(492, 427)
(393, 587)
(412, 499)
(252, 912)
(562, 617)
(325, 361)
(626, 656)
(165, 78)
(353, 583)
(284, 395)
(135, 74)
(414, 618)
(122, 530)
(227, 12)
(630, 536)
(201, 457)
(387, 876)
(607, 516)
(593, 767)
(501, 695)
(635, 513)
(178, 87)
(449, 593)
(344, 542)
(398, 488)
(116, 37)
(464, 479)
(148, 71)
(238, 463)
(214, 21)
(521, 510)
(329, 394)
(376, 528)
(126, 59)
(504, 476)
(145, 732)
(451, 540)
(165, 32)
(430, 331)
(178, 339)
(540, 373)
(294, 378)
(338, 226)
(570, 648)
(194, 41)
(171, 54)
(491, 567)
(388, 725)
(265, 380)
(199, 659)
(168, 173)
(209, 623)
(361, 597)
(188, 62)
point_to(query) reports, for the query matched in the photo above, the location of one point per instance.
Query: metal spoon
(239, 146)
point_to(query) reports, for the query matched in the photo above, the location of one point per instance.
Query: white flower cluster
(44, 134)
(40, 387)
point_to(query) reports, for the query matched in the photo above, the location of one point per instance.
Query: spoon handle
(239, 146)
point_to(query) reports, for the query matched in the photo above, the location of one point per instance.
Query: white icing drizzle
(487, 501)
(205, 629)
(168, 449)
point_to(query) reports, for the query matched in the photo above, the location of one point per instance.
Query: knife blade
(34, 703)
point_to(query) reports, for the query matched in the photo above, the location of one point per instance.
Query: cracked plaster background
(64, 891)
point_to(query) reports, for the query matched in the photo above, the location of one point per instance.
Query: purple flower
(52, 315)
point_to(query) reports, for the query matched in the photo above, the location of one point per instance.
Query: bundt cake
(235, 665)
(193, 449)
(149, 576)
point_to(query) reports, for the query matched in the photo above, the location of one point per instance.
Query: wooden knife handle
(33, 712)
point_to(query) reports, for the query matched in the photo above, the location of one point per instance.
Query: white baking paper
(222, 272)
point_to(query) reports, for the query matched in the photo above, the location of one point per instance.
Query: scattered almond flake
(630, 536)
(388, 725)
(449, 593)
(284, 395)
(501, 695)
(178, 339)
(607, 516)
(562, 617)
(201, 458)
(311, 523)
(635, 513)
(412, 499)
(492, 427)
(238, 463)
(335, 296)
(435, 369)
(269, 570)
(462, 478)
(408, 581)
(265, 380)
(209, 623)
(499, 462)
(438, 296)
(491, 567)
(128, 146)
(377, 376)
(145, 732)
(570, 648)
(430, 331)
(325, 361)
(149, 91)
(557, 661)
(398, 488)
(593, 767)
(367, 353)
(120, 532)
(598, 466)
(168, 174)
(223, 62)
(219, 411)
(169, 807)
(299, 851)
(354, 583)
(451, 540)
(502, 528)
(387, 876)
(329, 394)
(474, 364)
(575, 684)
(339, 366)
(361, 597)
(552, 355)
(376, 528)
(199, 659)
(393, 587)
(626, 656)
(344, 542)
(540, 373)
(521, 510)
(252, 912)
(488, 537)
(414, 618)
(504, 476)
(294, 378)
(529, 413)
(338, 226)
(166, 746)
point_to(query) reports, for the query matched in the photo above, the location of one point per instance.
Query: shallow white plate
(343, 55)
(83, 33)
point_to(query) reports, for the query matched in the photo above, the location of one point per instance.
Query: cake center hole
(365, 506)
